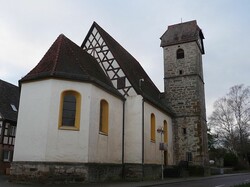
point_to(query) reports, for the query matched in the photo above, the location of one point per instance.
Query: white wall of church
(133, 129)
(31, 134)
(152, 152)
(105, 148)
(68, 145)
(39, 138)
(133, 132)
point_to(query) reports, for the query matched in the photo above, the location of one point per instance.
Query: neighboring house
(91, 113)
(9, 100)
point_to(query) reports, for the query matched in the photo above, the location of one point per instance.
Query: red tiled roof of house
(9, 95)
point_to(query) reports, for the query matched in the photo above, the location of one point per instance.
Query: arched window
(104, 117)
(165, 128)
(69, 117)
(152, 129)
(180, 54)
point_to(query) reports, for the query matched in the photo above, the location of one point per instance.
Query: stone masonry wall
(53, 172)
(184, 91)
(46, 172)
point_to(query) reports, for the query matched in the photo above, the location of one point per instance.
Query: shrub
(230, 160)
(196, 170)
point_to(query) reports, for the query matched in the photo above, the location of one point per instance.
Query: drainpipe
(142, 138)
(142, 157)
(123, 141)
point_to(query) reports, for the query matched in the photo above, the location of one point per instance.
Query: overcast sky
(29, 27)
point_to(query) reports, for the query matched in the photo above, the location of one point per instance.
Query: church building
(91, 112)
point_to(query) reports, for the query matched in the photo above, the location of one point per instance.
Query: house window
(1, 127)
(104, 117)
(152, 124)
(13, 141)
(5, 140)
(180, 54)
(6, 156)
(165, 128)
(6, 130)
(12, 131)
(189, 156)
(69, 117)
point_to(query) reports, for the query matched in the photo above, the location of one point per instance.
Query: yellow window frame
(76, 126)
(104, 117)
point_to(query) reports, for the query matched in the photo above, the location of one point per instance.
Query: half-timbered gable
(125, 72)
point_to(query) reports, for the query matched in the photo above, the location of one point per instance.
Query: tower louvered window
(180, 54)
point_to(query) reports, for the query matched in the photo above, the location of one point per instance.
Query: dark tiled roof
(66, 60)
(9, 94)
(181, 33)
(132, 69)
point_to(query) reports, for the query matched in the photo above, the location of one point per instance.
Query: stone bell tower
(184, 90)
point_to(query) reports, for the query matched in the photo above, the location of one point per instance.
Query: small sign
(163, 146)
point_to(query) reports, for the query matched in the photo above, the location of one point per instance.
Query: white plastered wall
(105, 148)
(133, 129)
(33, 121)
(39, 139)
(133, 132)
(151, 149)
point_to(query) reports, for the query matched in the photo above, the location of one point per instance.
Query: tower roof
(66, 60)
(9, 100)
(181, 33)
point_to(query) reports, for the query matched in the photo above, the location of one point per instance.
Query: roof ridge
(60, 39)
(182, 23)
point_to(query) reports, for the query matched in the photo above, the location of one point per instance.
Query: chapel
(91, 112)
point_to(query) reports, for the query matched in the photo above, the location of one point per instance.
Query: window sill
(152, 141)
(69, 128)
(103, 133)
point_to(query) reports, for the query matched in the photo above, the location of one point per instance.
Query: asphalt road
(213, 181)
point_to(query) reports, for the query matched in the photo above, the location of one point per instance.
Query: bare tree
(230, 120)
